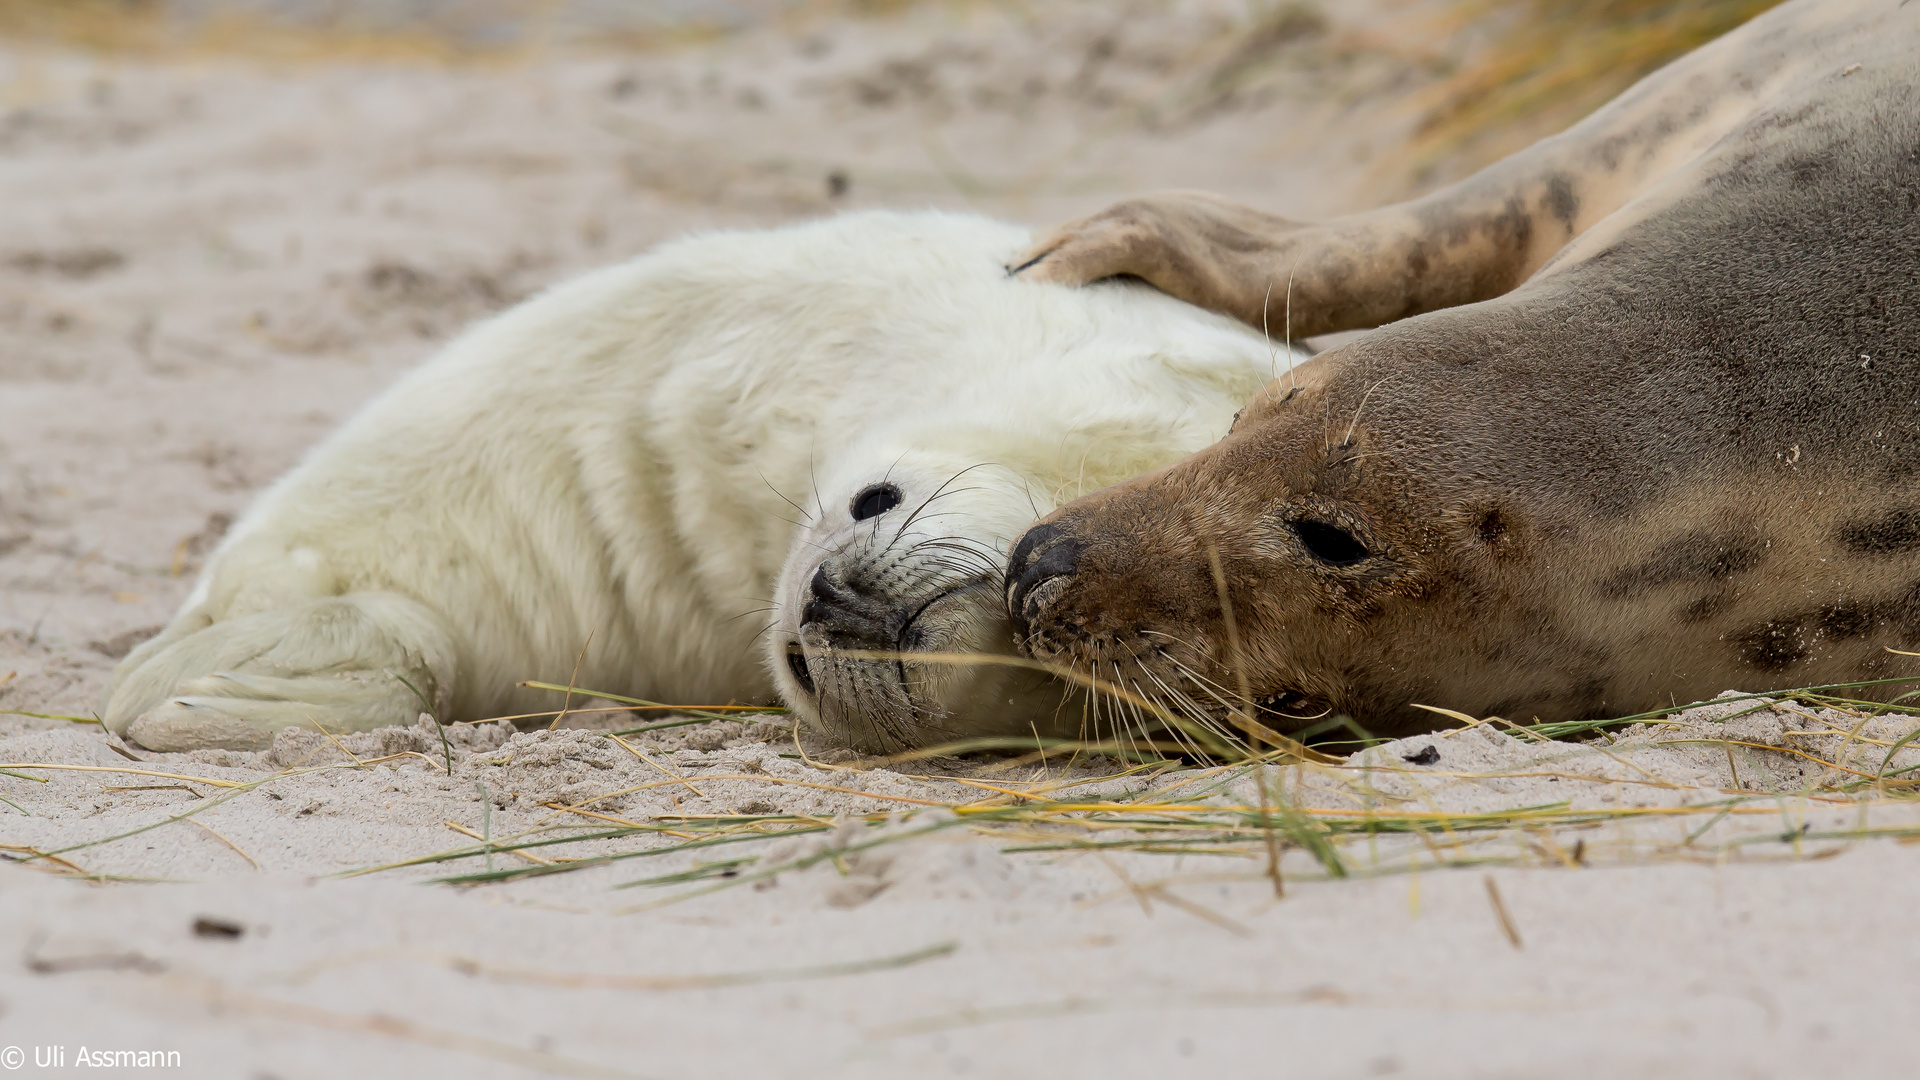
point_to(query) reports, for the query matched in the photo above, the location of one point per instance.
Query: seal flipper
(345, 663)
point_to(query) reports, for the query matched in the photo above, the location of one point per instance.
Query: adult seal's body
(835, 429)
(1667, 445)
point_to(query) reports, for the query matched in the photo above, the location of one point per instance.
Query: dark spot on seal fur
(1428, 755)
(1706, 607)
(1492, 526)
(1885, 535)
(1560, 199)
(1588, 700)
(1807, 171)
(1694, 557)
(1850, 619)
(1771, 646)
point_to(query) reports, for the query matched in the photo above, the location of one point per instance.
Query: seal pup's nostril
(797, 663)
(825, 595)
(1045, 553)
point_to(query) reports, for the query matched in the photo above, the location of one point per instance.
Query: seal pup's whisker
(761, 610)
(801, 510)
(942, 491)
(1101, 709)
(1204, 684)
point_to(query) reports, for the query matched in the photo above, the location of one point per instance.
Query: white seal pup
(608, 475)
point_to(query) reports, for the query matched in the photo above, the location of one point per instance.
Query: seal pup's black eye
(874, 501)
(1330, 543)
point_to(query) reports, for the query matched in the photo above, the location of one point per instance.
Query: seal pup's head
(904, 560)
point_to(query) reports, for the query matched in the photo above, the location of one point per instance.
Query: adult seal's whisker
(1581, 465)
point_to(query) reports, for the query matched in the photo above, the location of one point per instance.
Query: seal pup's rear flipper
(341, 664)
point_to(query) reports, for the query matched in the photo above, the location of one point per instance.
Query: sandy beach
(210, 256)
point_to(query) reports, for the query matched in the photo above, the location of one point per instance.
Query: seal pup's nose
(1046, 555)
(825, 596)
(837, 606)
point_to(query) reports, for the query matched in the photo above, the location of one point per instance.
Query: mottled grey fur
(1651, 431)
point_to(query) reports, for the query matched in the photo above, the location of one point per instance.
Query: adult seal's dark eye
(1330, 543)
(874, 501)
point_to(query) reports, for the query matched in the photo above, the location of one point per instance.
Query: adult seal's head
(1683, 457)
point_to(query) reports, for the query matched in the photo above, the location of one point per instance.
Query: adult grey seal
(1646, 427)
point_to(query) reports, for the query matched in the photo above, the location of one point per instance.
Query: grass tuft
(1550, 63)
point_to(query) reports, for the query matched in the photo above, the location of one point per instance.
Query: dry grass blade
(565, 809)
(142, 28)
(153, 787)
(1500, 912)
(237, 849)
(580, 980)
(393, 1027)
(233, 790)
(715, 712)
(637, 752)
(34, 853)
(1261, 732)
(573, 680)
(1160, 1004)
(464, 831)
(1218, 811)
(117, 769)
(336, 742)
(51, 716)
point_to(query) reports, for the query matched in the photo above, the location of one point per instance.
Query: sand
(207, 261)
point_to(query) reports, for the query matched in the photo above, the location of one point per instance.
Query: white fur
(614, 459)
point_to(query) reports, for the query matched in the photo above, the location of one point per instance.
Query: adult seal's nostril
(1045, 553)
(1025, 548)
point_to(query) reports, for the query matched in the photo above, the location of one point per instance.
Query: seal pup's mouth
(854, 657)
(797, 664)
(830, 642)
(915, 636)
